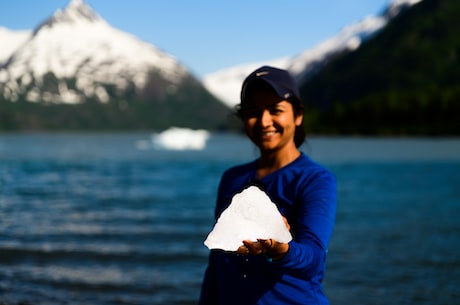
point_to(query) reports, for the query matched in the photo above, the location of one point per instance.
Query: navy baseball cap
(280, 80)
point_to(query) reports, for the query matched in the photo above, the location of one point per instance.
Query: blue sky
(207, 35)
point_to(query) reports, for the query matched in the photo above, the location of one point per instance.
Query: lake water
(109, 219)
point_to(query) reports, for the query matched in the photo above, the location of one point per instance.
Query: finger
(253, 247)
(286, 223)
(271, 243)
(243, 250)
(266, 244)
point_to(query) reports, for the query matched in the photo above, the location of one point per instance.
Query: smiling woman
(264, 114)
(266, 269)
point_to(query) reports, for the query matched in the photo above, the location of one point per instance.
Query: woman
(268, 271)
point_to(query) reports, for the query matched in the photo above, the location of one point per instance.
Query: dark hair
(299, 134)
(297, 106)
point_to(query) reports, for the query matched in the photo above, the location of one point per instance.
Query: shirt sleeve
(314, 221)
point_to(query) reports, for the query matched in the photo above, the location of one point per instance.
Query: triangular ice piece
(250, 215)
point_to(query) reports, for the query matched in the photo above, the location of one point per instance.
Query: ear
(298, 120)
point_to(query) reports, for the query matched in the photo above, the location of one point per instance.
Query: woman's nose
(265, 118)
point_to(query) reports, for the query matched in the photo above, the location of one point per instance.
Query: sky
(209, 35)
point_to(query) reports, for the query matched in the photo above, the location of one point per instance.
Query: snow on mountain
(396, 6)
(10, 41)
(226, 83)
(77, 43)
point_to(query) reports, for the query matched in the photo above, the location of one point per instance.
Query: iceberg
(251, 215)
(176, 138)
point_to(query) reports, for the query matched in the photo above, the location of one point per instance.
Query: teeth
(269, 133)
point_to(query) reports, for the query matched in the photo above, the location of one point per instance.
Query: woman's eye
(275, 110)
(250, 112)
(256, 112)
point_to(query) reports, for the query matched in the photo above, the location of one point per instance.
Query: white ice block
(251, 215)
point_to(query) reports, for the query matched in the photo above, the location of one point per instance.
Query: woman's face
(269, 122)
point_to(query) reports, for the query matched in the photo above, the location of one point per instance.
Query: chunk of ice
(176, 138)
(251, 215)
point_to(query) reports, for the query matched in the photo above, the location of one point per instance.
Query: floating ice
(176, 138)
(251, 215)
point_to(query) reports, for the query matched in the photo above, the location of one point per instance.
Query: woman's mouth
(267, 133)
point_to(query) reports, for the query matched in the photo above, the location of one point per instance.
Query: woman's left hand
(273, 249)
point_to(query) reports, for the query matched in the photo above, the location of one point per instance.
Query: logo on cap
(261, 73)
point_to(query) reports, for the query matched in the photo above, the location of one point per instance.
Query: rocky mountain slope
(75, 57)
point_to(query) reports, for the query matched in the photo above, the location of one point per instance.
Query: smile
(268, 133)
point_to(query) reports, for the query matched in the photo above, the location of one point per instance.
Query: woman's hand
(273, 249)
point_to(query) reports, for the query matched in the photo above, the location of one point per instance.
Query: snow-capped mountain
(84, 54)
(226, 83)
(10, 41)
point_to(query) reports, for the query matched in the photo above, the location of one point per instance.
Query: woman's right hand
(270, 247)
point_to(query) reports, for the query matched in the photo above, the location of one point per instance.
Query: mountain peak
(75, 11)
(397, 6)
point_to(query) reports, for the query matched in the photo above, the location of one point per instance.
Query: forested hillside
(403, 81)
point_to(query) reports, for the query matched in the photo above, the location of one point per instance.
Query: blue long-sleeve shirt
(305, 193)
